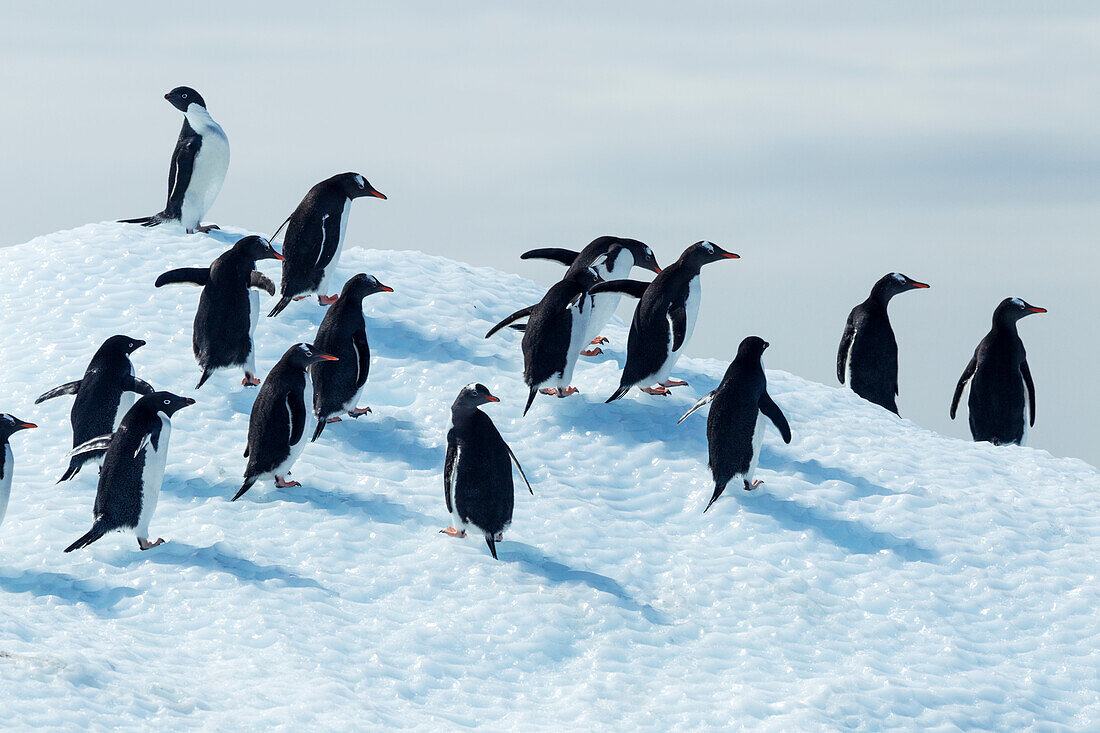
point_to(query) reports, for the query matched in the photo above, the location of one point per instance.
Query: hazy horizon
(826, 146)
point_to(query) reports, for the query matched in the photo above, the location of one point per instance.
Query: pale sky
(826, 145)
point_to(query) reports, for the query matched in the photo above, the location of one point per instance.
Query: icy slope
(882, 576)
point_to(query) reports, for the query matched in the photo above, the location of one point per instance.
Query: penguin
(612, 258)
(1000, 412)
(735, 426)
(133, 469)
(103, 395)
(663, 320)
(343, 333)
(477, 474)
(9, 424)
(554, 334)
(315, 236)
(198, 168)
(868, 350)
(229, 307)
(277, 425)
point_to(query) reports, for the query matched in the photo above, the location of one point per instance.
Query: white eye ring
(168, 402)
(184, 96)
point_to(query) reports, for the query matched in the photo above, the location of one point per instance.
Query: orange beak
(492, 399)
(27, 425)
(731, 256)
(328, 357)
(1037, 309)
(378, 195)
(386, 289)
(916, 284)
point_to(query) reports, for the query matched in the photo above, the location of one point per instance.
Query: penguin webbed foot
(555, 392)
(327, 300)
(206, 229)
(599, 340)
(592, 352)
(300, 297)
(282, 483)
(330, 420)
(359, 412)
(658, 390)
(452, 532)
(250, 380)
(145, 544)
(750, 487)
(674, 383)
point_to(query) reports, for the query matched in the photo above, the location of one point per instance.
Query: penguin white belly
(207, 176)
(603, 307)
(253, 319)
(296, 448)
(352, 403)
(152, 475)
(757, 442)
(5, 483)
(125, 402)
(456, 520)
(330, 271)
(1027, 415)
(691, 308)
(578, 337)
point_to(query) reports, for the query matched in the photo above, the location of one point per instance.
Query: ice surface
(883, 576)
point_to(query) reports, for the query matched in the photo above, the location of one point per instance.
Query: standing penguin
(315, 236)
(228, 308)
(554, 335)
(735, 426)
(133, 469)
(868, 349)
(612, 258)
(277, 425)
(477, 475)
(1000, 412)
(199, 165)
(664, 319)
(343, 333)
(103, 396)
(8, 425)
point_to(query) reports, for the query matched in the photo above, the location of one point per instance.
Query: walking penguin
(9, 424)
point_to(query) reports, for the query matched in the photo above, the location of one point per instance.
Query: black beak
(187, 401)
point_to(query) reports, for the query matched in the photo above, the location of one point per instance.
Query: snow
(883, 576)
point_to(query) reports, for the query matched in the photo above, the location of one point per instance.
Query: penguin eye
(184, 95)
(168, 402)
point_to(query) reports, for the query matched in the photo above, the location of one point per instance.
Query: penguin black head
(304, 356)
(256, 248)
(472, 396)
(1011, 310)
(362, 285)
(893, 283)
(702, 253)
(751, 348)
(355, 186)
(643, 255)
(164, 402)
(11, 424)
(125, 345)
(183, 97)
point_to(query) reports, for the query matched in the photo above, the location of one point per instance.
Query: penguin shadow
(634, 420)
(531, 560)
(200, 488)
(387, 436)
(67, 588)
(337, 501)
(814, 472)
(396, 341)
(849, 535)
(217, 558)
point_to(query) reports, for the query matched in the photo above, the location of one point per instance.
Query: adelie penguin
(277, 425)
(229, 307)
(103, 395)
(199, 165)
(315, 237)
(612, 258)
(998, 374)
(133, 469)
(343, 333)
(477, 473)
(735, 426)
(663, 320)
(9, 424)
(556, 330)
(868, 351)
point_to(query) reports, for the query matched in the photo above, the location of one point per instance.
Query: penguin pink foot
(674, 383)
(592, 352)
(327, 299)
(147, 545)
(250, 381)
(453, 532)
(333, 419)
(282, 483)
(300, 297)
(359, 412)
(207, 228)
(499, 537)
(754, 484)
(599, 340)
(658, 390)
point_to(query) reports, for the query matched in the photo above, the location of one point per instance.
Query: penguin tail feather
(202, 380)
(619, 393)
(145, 221)
(530, 399)
(99, 528)
(321, 422)
(718, 489)
(492, 543)
(75, 465)
(248, 484)
(283, 303)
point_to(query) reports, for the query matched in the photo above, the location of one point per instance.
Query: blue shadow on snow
(67, 588)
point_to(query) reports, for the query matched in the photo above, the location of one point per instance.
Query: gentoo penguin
(103, 396)
(612, 258)
(277, 425)
(477, 475)
(8, 425)
(133, 469)
(664, 319)
(868, 348)
(735, 426)
(199, 164)
(555, 331)
(229, 307)
(315, 236)
(1000, 412)
(343, 333)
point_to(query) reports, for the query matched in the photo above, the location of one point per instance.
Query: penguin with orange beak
(9, 424)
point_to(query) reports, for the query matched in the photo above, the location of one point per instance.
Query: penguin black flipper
(704, 400)
(521, 473)
(678, 316)
(272, 237)
(448, 470)
(97, 445)
(140, 386)
(296, 403)
(521, 313)
(966, 375)
(845, 347)
(67, 388)
(633, 288)
(283, 303)
(773, 413)
(329, 242)
(557, 254)
(261, 281)
(179, 172)
(190, 275)
(518, 326)
(1025, 370)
